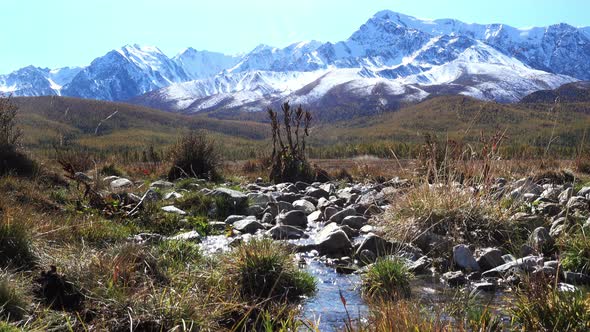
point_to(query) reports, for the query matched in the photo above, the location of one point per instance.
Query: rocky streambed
(335, 229)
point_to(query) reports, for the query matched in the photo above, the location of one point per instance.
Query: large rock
(173, 209)
(161, 184)
(230, 220)
(295, 218)
(339, 216)
(260, 199)
(382, 247)
(314, 216)
(333, 242)
(525, 264)
(541, 240)
(304, 206)
(285, 232)
(463, 258)
(317, 193)
(193, 236)
(235, 197)
(121, 184)
(356, 222)
(490, 258)
(247, 225)
(584, 192)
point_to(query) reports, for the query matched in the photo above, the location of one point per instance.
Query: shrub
(575, 252)
(13, 299)
(387, 279)
(15, 243)
(111, 170)
(11, 158)
(289, 162)
(541, 306)
(194, 155)
(264, 269)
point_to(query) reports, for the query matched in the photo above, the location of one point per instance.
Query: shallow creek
(326, 309)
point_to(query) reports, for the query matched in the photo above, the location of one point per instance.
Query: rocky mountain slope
(390, 60)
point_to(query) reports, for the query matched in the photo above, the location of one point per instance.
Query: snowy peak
(201, 64)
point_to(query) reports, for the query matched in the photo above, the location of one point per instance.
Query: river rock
(193, 236)
(161, 184)
(314, 216)
(490, 258)
(173, 209)
(338, 217)
(576, 278)
(235, 197)
(463, 257)
(454, 278)
(355, 222)
(317, 193)
(248, 225)
(304, 206)
(525, 264)
(295, 218)
(230, 220)
(541, 240)
(285, 232)
(333, 242)
(121, 184)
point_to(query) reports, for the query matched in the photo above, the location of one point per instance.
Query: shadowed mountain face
(390, 60)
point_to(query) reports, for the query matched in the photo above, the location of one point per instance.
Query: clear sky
(55, 33)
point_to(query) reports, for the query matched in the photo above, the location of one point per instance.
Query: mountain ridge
(392, 58)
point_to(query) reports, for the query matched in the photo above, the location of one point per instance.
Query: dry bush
(289, 162)
(12, 159)
(194, 155)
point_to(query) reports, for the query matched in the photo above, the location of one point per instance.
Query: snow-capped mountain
(125, 73)
(33, 81)
(202, 64)
(391, 59)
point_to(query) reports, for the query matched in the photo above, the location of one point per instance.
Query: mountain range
(390, 60)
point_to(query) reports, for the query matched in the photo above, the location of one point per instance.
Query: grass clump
(575, 252)
(16, 250)
(13, 298)
(265, 270)
(541, 306)
(178, 254)
(448, 214)
(387, 279)
(194, 155)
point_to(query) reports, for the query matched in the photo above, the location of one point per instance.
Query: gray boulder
(489, 259)
(463, 257)
(356, 222)
(285, 232)
(247, 225)
(541, 240)
(339, 216)
(161, 184)
(333, 242)
(295, 218)
(235, 197)
(173, 209)
(121, 184)
(304, 206)
(193, 236)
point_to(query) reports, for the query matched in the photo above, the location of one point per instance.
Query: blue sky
(55, 33)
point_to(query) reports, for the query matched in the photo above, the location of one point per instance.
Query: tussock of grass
(16, 249)
(449, 213)
(265, 270)
(540, 306)
(13, 298)
(387, 279)
(575, 252)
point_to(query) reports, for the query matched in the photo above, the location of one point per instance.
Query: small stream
(326, 310)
